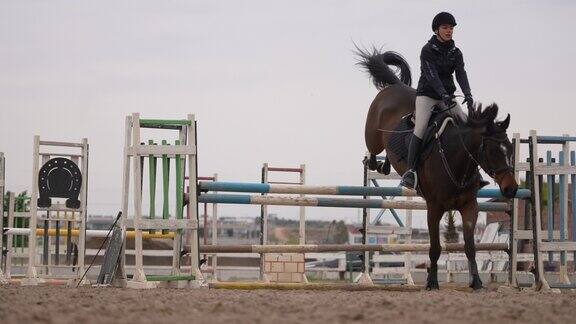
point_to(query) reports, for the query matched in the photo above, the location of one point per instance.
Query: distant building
(234, 230)
(388, 234)
(99, 222)
(354, 234)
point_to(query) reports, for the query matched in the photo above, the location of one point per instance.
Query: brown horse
(448, 177)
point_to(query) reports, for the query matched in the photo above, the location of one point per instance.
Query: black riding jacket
(438, 61)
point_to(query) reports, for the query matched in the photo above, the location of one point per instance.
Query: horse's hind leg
(434, 217)
(469, 218)
(373, 164)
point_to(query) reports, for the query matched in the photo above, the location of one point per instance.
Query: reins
(466, 179)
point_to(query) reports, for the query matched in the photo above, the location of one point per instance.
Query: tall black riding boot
(410, 178)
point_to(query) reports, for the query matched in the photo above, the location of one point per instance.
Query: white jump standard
(57, 175)
(183, 152)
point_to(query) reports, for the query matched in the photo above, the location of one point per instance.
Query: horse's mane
(480, 117)
(377, 65)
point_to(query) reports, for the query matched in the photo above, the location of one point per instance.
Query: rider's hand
(469, 101)
(447, 100)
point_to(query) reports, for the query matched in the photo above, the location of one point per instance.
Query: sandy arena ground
(113, 305)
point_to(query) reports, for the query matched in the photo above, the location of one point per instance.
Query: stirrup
(403, 184)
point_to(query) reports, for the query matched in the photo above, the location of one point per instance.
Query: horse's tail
(377, 64)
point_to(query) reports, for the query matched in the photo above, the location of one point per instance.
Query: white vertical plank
(265, 208)
(177, 243)
(264, 220)
(139, 275)
(83, 208)
(563, 263)
(366, 261)
(10, 237)
(194, 248)
(536, 217)
(215, 234)
(121, 271)
(515, 210)
(31, 274)
(45, 159)
(2, 189)
(302, 238)
(408, 255)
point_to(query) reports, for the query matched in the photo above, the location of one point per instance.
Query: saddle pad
(398, 143)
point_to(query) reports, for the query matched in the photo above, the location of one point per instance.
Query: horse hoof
(371, 164)
(476, 284)
(432, 285)
(383, 168)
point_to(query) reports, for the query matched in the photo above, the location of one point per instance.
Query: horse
(448, 176)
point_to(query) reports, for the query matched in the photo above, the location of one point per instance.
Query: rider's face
(445, 32)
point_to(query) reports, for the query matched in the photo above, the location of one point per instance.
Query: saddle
(400, 139)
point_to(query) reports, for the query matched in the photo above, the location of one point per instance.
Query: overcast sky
(268, 81)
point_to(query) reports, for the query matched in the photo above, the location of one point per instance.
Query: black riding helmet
(443, 18)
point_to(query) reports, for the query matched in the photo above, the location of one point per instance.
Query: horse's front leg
(434, 217)
(469, 217)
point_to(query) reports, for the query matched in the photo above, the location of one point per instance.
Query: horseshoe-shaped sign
(59, 178)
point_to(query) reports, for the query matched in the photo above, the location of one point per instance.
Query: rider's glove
(447, 100)
(469, 101)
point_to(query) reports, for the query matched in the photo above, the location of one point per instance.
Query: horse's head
(495, 153)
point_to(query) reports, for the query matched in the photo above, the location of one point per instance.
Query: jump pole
(313, 248)
(75, 233)
(331, 202)
(332, 190)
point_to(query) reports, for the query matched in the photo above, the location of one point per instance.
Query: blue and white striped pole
(333, 190)
(331, 202)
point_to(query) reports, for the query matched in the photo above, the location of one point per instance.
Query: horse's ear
(504, 124)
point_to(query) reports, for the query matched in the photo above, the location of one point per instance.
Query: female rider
(439, 59)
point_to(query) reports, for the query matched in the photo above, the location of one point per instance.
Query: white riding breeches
(423, 111)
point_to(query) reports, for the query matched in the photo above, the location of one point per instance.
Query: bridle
(468, 179)
(493, 172)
